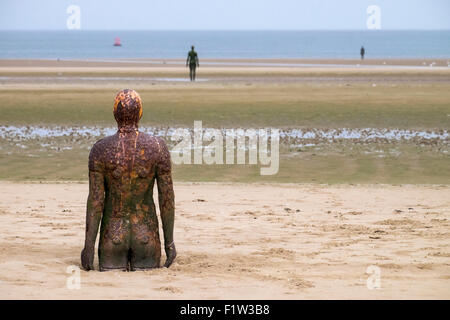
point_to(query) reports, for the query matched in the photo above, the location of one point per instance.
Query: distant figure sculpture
(192, 60)
(363, 52)
(122, 172)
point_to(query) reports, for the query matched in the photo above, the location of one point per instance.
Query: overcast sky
(223, 14)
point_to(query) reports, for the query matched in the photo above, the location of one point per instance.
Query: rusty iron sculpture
(122, 172)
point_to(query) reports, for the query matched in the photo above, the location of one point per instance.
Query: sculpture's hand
(87, 258)
(171, 254)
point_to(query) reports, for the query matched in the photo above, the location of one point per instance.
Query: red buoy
(117, 42)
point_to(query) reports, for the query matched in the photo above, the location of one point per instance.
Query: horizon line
(230, 30)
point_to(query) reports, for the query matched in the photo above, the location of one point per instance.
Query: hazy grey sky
(224, 14)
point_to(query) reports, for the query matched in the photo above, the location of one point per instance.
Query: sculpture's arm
(94, 211)
(187, 60)
(166, 199)
(198, 61)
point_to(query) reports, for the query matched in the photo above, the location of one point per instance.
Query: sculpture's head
(192, 47)
(127, 108)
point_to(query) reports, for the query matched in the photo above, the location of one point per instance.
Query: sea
(83, 44)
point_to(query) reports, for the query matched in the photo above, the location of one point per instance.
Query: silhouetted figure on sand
(123, 169)
(363, 52)
(192, 61)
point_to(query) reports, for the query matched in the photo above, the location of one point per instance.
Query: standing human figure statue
(362, 52)
(192, 61)
(122, 173)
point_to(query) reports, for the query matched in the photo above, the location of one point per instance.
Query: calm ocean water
(224, 44)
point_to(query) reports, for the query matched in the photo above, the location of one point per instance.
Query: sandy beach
(241, 241)
(357, 202)
(144, 74)
(163, 62)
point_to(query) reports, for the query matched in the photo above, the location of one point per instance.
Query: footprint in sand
(170, 289)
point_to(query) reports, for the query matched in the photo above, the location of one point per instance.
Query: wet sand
(171, 63)
(241, 241)
(142, 73)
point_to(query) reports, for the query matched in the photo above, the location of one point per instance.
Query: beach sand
(238, 240)
(40, 74)
(162, 62)
(241, 241)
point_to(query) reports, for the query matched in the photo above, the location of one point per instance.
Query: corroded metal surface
(122, 172)
(193, 62)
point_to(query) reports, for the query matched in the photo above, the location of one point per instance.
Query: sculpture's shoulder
(104, 144)
(149, 140)
(154, 148)
(99, 152)
(145, 138)
(149, 145)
